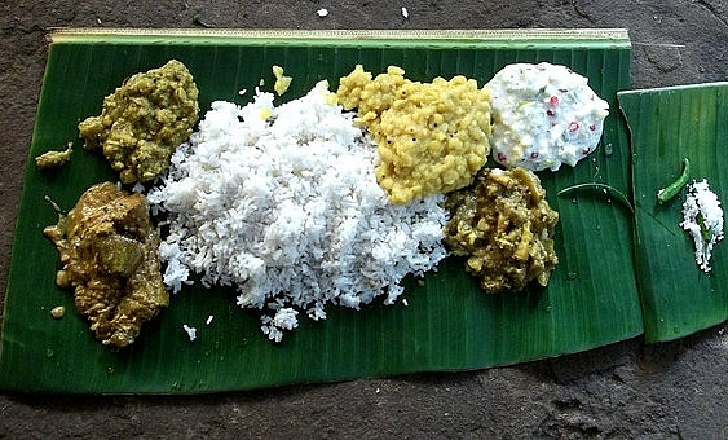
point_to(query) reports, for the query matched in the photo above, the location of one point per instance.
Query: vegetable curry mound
(503, 225)
(144, 120)
(108, 249)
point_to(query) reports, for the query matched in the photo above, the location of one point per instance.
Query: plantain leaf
(668, 125)
(448, 324)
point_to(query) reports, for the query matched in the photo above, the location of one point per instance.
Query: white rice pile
(703, 217)
(283, 203)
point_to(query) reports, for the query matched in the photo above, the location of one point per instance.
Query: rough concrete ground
(627, 390)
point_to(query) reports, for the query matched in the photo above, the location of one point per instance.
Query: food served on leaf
(53, 158)
(108, 249)
(283, 203)
(543, 115)
(503, 225)
(431, 137)
(703, 219)
(292, 205)
(144, 121)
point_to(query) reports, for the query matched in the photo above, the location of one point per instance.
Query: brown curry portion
(108, 249)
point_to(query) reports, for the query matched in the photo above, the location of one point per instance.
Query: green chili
(602, 188)
(674, 188)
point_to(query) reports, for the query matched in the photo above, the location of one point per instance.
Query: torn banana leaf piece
(668, 125)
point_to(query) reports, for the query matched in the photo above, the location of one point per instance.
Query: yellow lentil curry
(431, 137)
(108, 249)
(144, 121)
(503, 225)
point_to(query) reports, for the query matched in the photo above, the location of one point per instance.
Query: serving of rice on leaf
(283, 203)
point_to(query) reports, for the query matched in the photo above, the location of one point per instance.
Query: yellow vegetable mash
(144, 121)
(431, 137)
(282, 82)
(53, 158)
(503, 224)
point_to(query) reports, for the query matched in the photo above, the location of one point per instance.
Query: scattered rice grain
(191, 332)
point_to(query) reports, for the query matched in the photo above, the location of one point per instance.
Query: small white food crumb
(209, 320)
(703, 219)
(404, 301)
(405, 14)
(322, 12)
(191, 332)
(243, 92)
(284, 319)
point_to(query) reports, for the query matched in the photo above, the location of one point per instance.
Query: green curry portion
(144, 121)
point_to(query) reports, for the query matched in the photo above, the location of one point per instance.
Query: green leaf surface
(668, 125)
(448, 324)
